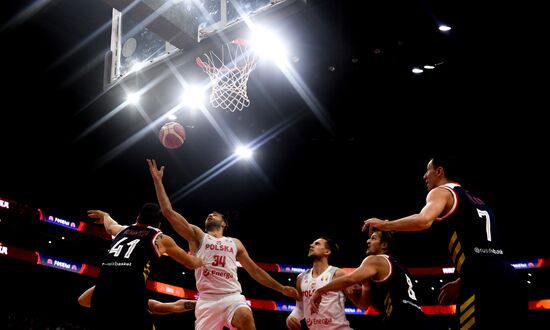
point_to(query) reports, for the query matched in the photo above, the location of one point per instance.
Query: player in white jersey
(220, 302)
(331, 314)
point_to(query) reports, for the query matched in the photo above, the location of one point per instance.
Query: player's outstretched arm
(166, 244)
(178, 306)
(155, 306)
(191, 233)
(436, 201)
(260, 275)
(111, 226)
(369, 268)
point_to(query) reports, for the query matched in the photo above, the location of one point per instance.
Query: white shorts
(214, 314)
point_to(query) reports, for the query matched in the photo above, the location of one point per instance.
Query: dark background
(359, 152)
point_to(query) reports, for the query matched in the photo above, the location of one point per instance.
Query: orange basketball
(172, 135)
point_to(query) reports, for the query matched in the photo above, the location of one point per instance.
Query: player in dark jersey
(485, 276)
(385, 285)
(119, 300)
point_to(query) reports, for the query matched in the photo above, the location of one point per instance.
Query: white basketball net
(229, 70)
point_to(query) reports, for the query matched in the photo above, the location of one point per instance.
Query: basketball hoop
(229, 69)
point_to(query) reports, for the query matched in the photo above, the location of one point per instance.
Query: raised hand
(372, 223)
(156, 173)
(99, 215)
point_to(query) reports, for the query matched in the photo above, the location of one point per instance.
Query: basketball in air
(172, 135)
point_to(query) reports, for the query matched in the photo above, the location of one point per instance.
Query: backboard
(147, 32)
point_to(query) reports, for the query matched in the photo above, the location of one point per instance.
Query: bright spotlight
(243, 152)
(193, 97)
(133, 98)
(269, 45)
